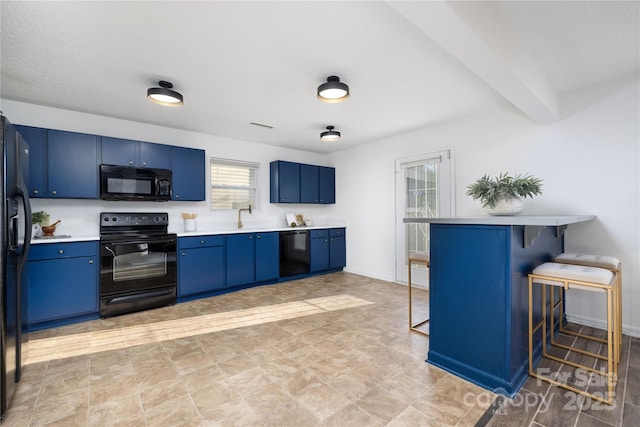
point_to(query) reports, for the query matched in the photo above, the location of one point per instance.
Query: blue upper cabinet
(72, 165)
(37, 140)
(155, 155)
(285, 182)
(126, 152)
(301, 183)
(327, 184)
(309, 184)
(188, 165)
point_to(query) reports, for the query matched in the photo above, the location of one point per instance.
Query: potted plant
(503, 194)
(40, 217)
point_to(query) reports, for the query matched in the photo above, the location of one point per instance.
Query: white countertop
(86, 238)
(536, 220)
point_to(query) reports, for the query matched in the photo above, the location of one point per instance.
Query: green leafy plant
(504, 187)
(40, 217)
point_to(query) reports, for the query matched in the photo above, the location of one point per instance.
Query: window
(234, 184)
(423, 190)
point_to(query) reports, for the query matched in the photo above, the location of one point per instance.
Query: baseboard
(589, 321)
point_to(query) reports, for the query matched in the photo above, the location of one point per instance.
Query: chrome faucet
(239, 211)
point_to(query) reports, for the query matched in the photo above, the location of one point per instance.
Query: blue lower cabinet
(252, 258)
(337, 248)
(241, 259)
(328, 249)
(62, 284)
(201, 266)
(267, 256)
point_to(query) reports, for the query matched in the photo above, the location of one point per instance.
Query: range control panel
(132, 219)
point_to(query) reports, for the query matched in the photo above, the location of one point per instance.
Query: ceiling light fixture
(330, 135)
(333, 90)
(163, 95)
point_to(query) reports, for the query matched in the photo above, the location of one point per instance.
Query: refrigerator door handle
(22, 193)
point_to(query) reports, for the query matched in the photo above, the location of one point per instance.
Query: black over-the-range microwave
(131, 183)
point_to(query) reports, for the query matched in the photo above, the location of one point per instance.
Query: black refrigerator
(15, 235)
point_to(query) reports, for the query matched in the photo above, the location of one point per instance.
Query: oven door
(130, 264)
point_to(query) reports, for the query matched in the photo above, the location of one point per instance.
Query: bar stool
(579, 277)
(613, 265)
(416, 259)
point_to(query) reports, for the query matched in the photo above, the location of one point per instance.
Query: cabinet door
(267, 256)
(319, 254)
(61, 288)
(327, 184)
(337, 252)
(309, 184)
(72, 165)
(37, 140)
(155, 155)
(241, 259)
(188, 166)
(121, 152)
(285, 182)
(200, 270)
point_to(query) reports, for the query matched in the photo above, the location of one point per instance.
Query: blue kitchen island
(478, 292)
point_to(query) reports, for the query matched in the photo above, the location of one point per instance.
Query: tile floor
(539, 403)
(331, 350)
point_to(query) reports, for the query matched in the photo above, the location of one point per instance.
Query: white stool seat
(572, 274)
(601, 261)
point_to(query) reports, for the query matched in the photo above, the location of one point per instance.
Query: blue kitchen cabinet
(201, 264)
(309, 184)
(319, 250)
(328, 249)
(62, 284)
(37, 140)
(326, 185)
(337, 248)
(301, 183)
(284, 182)
(241, 258)
(252, 257)
(126, 152)
(72, 165)
(188, 165)
(267, 256)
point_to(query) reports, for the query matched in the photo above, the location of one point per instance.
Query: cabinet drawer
(314, 234)
(334, 232)
(200, 241)
(62, 250)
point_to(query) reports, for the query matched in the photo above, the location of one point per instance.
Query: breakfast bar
(478, 292)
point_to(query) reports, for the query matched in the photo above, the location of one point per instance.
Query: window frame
(214, 162)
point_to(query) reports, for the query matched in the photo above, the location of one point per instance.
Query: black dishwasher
(294, 253)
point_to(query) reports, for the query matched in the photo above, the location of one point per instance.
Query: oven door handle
(138, 241)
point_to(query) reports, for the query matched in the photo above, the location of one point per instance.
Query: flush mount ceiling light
(333, 90)
(163, 95)
(330, 135)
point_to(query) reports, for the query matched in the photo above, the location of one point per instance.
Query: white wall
(81, 216)
(589, 162)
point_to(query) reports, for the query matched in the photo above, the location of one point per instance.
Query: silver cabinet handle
(90, 261)
(177, 196)
(202, 242)
(250, 237)
(130, 162)
(35, 191)
(54, 192)
(61, 251)
(144, 163)
(184, 254)
(258, 236)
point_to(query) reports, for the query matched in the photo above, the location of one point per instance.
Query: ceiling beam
(476, 35)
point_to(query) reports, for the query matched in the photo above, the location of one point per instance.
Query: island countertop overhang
(527, 220)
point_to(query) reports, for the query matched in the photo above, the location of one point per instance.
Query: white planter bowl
(507, 207)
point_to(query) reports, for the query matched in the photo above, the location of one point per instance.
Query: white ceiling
(408, 64)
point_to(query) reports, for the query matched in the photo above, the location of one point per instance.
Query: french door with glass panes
(424, 188)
